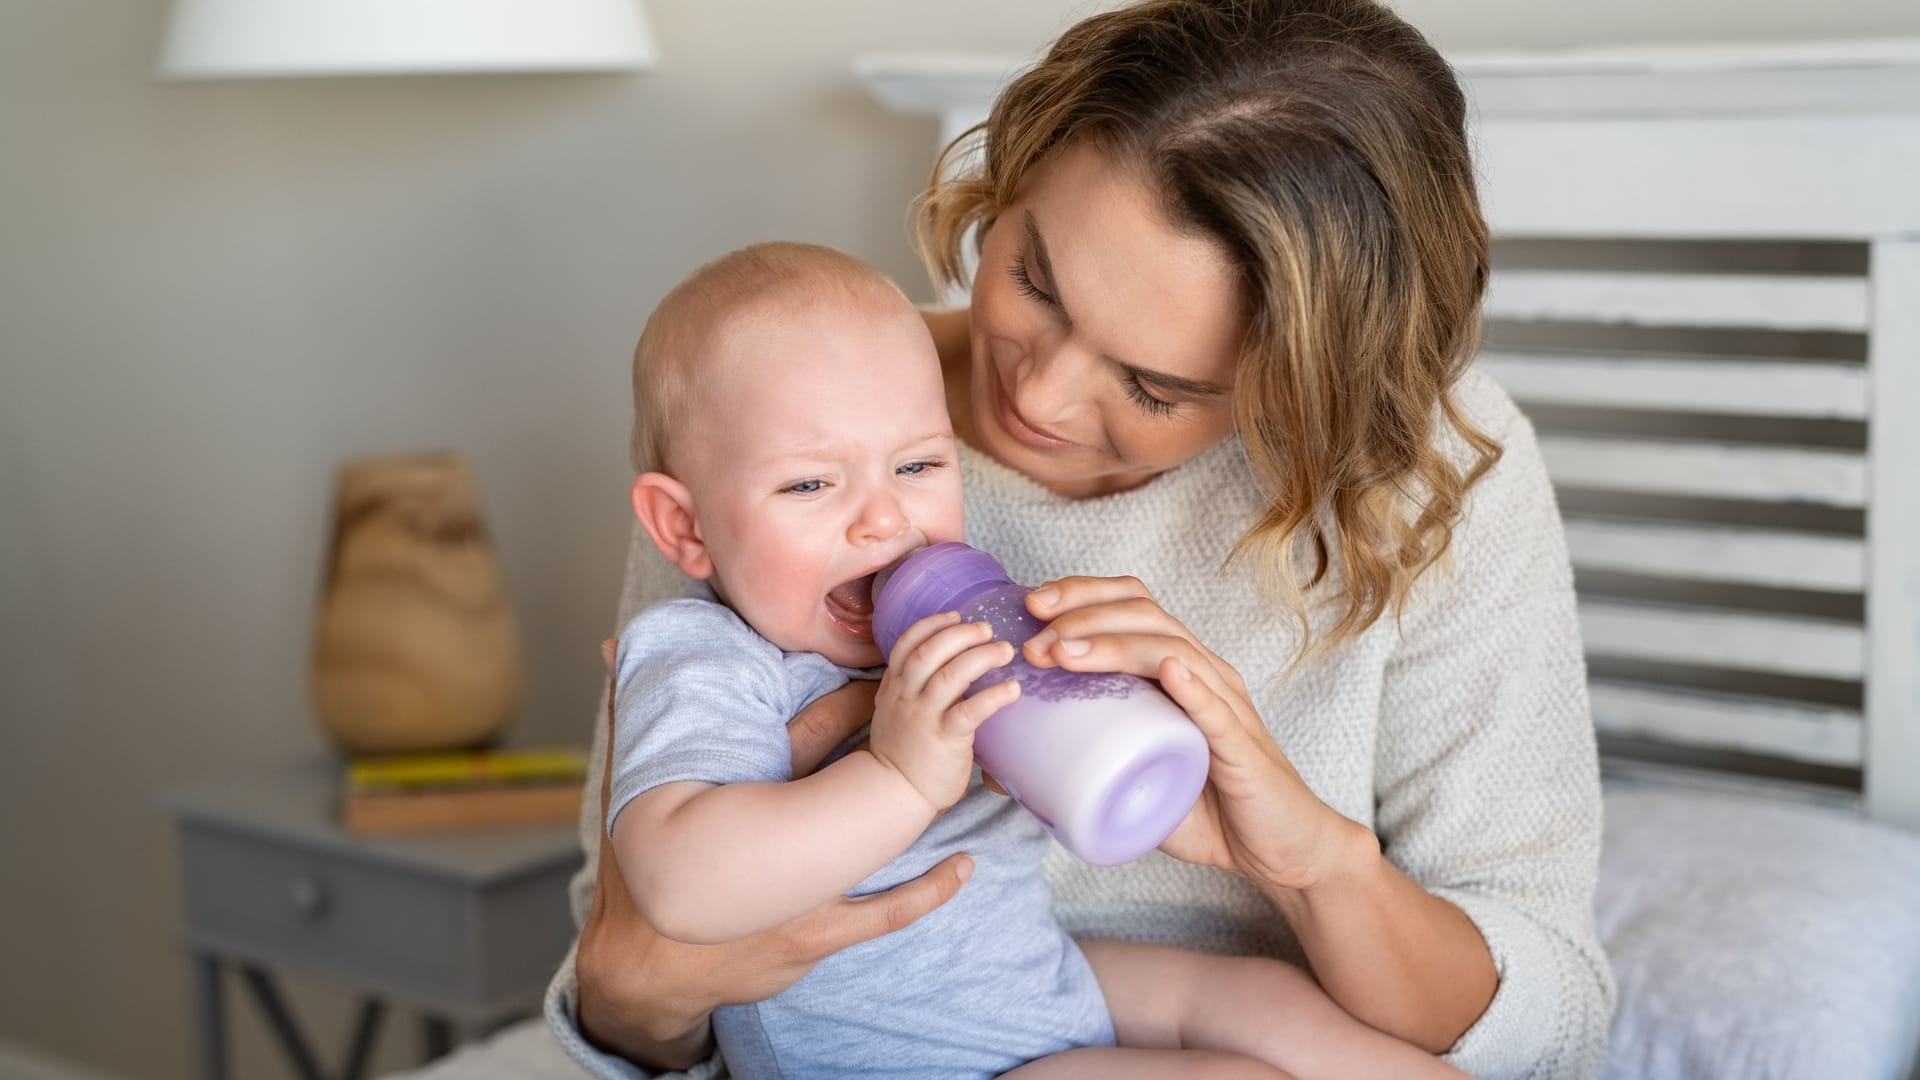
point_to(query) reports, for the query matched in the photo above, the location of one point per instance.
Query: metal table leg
(287, 1030)
(210, 1020)
(437, 1035)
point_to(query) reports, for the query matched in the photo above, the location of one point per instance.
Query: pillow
(1758, 940)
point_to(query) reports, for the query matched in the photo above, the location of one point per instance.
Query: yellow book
(457, 771)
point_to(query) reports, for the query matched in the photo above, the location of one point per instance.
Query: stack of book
(408, 793)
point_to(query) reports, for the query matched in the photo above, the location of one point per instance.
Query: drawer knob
(307, 896)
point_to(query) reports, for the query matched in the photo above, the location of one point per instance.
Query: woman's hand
(647, 998)
(1255, 817)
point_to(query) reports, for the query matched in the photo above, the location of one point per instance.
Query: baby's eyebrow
(930, 437)
(835, 451)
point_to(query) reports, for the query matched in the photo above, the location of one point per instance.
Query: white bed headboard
(1707, 297)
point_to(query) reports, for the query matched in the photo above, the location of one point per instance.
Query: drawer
(378, 926)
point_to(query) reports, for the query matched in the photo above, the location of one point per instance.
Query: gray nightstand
(465, 928)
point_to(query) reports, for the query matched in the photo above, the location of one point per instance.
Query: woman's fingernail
(1041, 640)
(1045, 597)
(1075, 648)
(965, 869)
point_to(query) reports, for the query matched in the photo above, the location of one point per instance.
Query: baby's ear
(665, 509)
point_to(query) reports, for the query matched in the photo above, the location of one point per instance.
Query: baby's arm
(1165, 998)
(708, 863)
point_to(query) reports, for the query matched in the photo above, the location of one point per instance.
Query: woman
(1230, 267)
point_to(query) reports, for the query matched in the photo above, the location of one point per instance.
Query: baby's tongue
(854, 597)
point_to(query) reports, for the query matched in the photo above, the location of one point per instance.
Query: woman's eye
(804, 487)
(1024, 282)
(1137, 390)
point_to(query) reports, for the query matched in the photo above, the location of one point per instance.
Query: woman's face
(1104, 341)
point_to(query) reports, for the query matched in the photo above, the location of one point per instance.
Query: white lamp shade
(210, 39)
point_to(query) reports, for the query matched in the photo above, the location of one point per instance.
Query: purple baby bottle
(1107, 762)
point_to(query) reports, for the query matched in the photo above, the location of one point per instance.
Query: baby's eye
(915, 468)
(804, 487)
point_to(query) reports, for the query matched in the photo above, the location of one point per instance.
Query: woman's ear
(665, 509)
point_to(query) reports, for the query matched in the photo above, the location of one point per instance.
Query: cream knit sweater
(1461, 736)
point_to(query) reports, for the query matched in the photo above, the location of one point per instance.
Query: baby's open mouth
(851, 605)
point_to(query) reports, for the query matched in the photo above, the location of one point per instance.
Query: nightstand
(465, 928)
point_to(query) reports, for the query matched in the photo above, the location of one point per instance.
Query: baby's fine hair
(760, 281)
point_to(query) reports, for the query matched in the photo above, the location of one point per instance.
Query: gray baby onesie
(980, 985)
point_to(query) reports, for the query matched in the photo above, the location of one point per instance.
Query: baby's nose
(880, 519)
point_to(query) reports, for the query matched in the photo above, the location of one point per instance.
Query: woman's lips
(1017, 426)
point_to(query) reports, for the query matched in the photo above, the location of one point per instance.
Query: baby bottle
(1106, 761)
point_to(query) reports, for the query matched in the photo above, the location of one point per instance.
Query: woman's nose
(1047, 388)
(881, 518)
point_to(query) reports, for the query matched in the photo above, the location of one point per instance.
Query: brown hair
(755, 281)
(1322, 144)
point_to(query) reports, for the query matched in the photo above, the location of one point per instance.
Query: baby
(793, 440)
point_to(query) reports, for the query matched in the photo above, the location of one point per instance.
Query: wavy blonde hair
(1322, 144)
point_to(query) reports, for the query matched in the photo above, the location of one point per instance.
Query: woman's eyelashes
(1023, 281)
(1137, 390)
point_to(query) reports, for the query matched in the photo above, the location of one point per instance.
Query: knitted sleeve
(1487, 780)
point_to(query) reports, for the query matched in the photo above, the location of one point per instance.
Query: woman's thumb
(607, 652)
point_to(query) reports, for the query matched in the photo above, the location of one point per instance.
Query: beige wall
(210, 293)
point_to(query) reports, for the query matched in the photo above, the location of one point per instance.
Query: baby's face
(820, 453)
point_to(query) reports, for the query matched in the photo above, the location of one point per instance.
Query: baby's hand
(921, 728)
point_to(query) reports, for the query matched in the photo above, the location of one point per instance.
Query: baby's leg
(1164, 998)
(1118, 1063)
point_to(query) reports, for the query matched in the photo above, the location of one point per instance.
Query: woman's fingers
(1134, 615)
(1142, 655)
(830, 720)
(836, 925)
(1055, 598)
(1209, 711)
(1085, 608)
